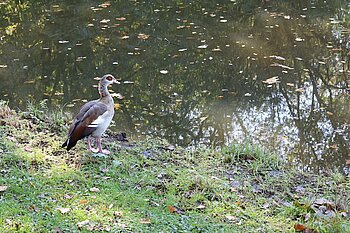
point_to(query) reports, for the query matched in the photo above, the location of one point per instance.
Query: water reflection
(201, 72)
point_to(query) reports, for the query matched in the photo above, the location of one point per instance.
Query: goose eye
(109, 78)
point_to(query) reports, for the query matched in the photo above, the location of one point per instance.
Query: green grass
(144, 187)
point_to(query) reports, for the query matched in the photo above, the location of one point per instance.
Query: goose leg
(98, 141)
(89, 146)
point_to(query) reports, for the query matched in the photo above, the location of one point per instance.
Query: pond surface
(275, 73)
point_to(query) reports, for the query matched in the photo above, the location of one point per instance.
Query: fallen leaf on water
(278, 57)
(94, 189)
(282, 66)
(145, 221)
(125, 37)
(63, 210)
(164, 71)
(271, 80)
(143, 36)
(121, 19)
(105, 5)
(201, 207)
(204, 46)
(329, 113)
(299, 90)
(105, 20)
(299, 227)
(3, 188)
(203, 118)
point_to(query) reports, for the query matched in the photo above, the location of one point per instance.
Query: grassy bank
(150, 186)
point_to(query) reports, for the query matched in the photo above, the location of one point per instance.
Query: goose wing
(85, 122)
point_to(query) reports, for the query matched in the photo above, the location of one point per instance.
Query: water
(275, 73)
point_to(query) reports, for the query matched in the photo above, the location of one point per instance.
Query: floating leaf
(282, 66)
(204, 46)
(104, 5)
(216, 50)
(143, 36)
(278, 57)
(201, 207)
(3, 188)
(271, 80)
(300, 90)
(3, 66)
(329, 113)
(203, 118)
(121, 19)
(182, 50)
(105, 20)
(164, 71)
(125, 37)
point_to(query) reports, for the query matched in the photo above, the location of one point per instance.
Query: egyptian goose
(93, 118)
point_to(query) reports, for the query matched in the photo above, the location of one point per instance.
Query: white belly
(101, 123)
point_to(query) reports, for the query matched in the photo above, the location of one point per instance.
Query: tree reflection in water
(275, 73)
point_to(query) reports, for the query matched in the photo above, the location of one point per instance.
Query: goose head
(108, 79)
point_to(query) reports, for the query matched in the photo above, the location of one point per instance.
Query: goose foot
(107, 152)
(94, 150)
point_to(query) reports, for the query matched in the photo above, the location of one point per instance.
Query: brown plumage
(93, 118)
